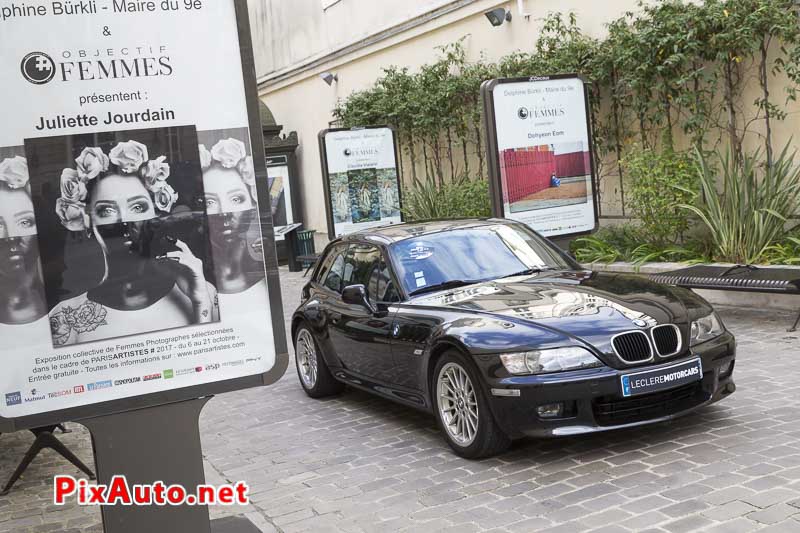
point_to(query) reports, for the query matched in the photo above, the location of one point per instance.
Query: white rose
(129, 156)
(247, 170)
(229, 152)
(73, 188)
(165, 198)
(73, 215)
(91, 163)
(205, 157)
(155, 174)
(14, 172)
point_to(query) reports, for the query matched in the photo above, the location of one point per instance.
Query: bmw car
(501, 335)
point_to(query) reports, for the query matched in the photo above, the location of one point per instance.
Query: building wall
(291, 33)
(302, 102)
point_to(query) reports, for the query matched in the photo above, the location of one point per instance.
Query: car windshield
(470, 255)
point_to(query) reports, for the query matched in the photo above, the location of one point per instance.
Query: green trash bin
(306, 251)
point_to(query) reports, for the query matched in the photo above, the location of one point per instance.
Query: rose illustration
(91, 163)
(205, 157)
(88, 317)
(73, 188)
(129, 156)
(60, 328)
(229, 152)
(155, 174)
(72, 214)
(165, 198)
(14, 171)
(247, 170)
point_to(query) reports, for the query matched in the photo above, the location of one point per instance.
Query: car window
(333, 276)
(381, 286)
(325, 265)
(365, 266)
(472, 254)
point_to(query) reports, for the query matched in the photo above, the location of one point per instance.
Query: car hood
(591, 306)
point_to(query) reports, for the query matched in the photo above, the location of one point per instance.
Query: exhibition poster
(131, 253)
(362, 179)
(280, 191)
(541, 152)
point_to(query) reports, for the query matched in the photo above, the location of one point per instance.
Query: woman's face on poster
(117, 199)
(228, 204)
(225, 192)
(18, 245)
(120, 209)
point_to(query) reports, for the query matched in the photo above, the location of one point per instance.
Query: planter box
(752, 300)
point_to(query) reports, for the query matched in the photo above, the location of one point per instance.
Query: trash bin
(305, 247)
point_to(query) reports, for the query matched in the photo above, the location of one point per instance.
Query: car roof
(398, 232)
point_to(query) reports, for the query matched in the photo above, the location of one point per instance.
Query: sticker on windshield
(418, 251)
(419, 278)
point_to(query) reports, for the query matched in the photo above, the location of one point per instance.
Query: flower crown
(14, 173)
(231, 153)
(130, 158)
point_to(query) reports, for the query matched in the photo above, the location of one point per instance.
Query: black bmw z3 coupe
(500, 335)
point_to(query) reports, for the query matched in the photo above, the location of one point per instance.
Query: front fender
(482, 337)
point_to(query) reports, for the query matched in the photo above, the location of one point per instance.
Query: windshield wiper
(452, 284)
(527, 272)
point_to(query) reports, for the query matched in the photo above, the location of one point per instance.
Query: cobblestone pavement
(358, 463)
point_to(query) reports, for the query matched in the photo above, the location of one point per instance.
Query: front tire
(315, 377)
(463, 411)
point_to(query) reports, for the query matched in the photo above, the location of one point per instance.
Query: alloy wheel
(306, 353)
(458, 404)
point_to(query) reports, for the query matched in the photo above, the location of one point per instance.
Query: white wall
(289, 33)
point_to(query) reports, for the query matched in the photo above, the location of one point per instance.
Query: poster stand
(343, 153)
(539, 134)
(159, 443)
(154, 435)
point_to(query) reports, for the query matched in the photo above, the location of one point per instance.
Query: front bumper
(593, 398)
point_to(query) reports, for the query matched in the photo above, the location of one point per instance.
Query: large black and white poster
(361, 179)
(131, 250)
(539, 141)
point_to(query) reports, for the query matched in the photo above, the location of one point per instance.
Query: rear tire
(462, 409)
(312, 370)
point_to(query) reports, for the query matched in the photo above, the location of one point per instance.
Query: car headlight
(546, 361)
(706, 328)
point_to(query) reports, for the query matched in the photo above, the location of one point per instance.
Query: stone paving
(357, 463)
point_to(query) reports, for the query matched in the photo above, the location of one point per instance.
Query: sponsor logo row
(34, 395)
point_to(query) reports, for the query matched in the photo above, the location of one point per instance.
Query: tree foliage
(671, 72)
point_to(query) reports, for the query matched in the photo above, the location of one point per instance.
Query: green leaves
(747, 217)
(462, 198)
(658, 182)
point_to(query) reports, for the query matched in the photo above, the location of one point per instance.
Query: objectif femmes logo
(523, 113)
(38, 68)
(102, 64)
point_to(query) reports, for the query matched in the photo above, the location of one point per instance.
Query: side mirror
(357, 295)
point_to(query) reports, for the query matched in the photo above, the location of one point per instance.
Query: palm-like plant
(750, 213)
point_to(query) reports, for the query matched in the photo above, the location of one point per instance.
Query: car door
(325, 297)
(361, 337)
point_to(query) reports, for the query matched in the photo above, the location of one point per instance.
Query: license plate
(660, 379)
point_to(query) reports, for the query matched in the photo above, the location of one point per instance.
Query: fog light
(726, 370)
(551, 410)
